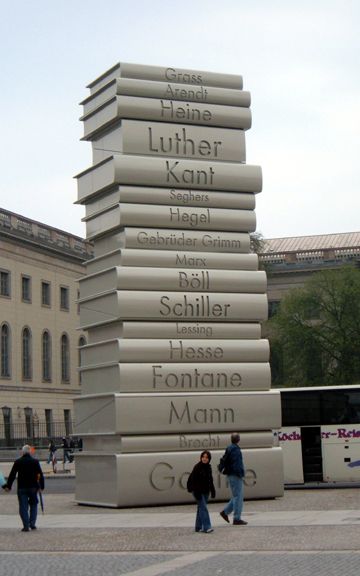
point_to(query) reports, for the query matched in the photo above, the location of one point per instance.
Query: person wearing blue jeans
(202, 520)
(201, 484)
(235, 471)
(30, 480)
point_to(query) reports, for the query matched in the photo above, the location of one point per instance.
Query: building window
(82, 342)
(8, 429)
(49, 422)
(67, 422)
(5, 351)
(46, 356)
(29, 422)
(26, 355)
(4, 283)
(65, 359)
(45, 294)
(64, 298)
(26, 288)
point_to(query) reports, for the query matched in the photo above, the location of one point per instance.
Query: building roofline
(42, 224)
(17, 228)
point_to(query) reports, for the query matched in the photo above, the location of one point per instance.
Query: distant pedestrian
(52, 455)
(232, 465)
(66, 450)
(201, 484)
(30, 480)
(71, 449)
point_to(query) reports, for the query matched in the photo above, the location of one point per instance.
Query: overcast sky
(299, 60)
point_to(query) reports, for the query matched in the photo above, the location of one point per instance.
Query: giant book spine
(171, 259)
(120, 107)
(173, 239)
(175, 377)
(165, 172)
(137, 278)
(163, 139)
(188, 78)
(176, 413)
(112, 443)
(122, 215)
(160, 478)
(194, 306)
(167, 91)
(185, 330)
(174, 350)
(170, 197)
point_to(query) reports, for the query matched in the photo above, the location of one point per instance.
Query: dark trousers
(67, 456)
(28, 500)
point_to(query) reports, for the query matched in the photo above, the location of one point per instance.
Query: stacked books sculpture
(173, 299)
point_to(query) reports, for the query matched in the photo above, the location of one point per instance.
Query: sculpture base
(130, 480)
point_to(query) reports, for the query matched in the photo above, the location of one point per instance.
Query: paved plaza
(185, 564)
(306, 532)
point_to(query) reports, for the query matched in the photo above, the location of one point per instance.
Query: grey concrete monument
(173, 299)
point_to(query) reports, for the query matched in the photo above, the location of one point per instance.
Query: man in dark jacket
(235, 472)
(30, 480)
(66, 450)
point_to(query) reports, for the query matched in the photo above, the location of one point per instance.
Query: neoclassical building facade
(39, 337)
(40, 267)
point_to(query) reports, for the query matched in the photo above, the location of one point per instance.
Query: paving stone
(75, 564)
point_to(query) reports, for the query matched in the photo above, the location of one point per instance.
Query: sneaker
(33, 527)
(25, 529)
(209, 530)
(239, 522)
(224, 516)
(200, 530)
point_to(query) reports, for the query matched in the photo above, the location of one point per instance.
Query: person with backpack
(232, 465)
(201, 484)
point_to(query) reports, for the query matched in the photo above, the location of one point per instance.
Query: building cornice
(44, 238)
(37, 389)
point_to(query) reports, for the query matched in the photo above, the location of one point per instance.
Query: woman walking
(201, 484)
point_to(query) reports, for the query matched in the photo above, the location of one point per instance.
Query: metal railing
(16, 434)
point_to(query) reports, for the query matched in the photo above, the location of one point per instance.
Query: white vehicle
(320, 434)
